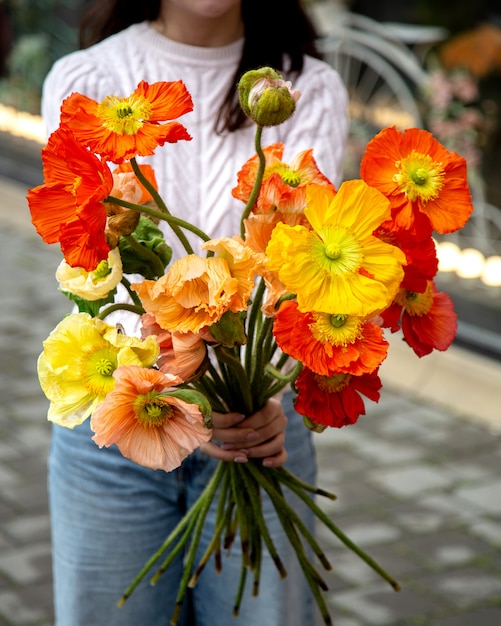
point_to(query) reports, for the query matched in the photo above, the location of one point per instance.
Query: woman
(108, 514)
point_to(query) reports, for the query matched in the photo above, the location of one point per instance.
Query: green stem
(120, 306)
(146, 254)
(133, 295)
(239, 371)
(251, 326)
(257, 183)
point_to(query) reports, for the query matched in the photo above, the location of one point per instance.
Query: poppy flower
(149, 426)
(329, 344)
(426, 184)
(195, 292)
(127, 186)
(120, 128)
(427, 320)
(93, 285)
(284, 186)
(76, 366)
(68, 207)
(336, 400)
(181, 354)
(338, 265)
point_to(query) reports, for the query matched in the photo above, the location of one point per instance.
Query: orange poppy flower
(68, 208)
(284, 186)
(148, 426)
(121, 128)
(427, 320)
(195, 292)
(426, 184)
(329, 344)
(335, 401)
(181, 354)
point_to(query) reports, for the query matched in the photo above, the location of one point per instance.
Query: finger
(226, 420)
(276, 460)
(270, 447)
(237, 437)
(216, 452)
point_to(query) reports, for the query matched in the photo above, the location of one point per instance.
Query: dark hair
(273, 29)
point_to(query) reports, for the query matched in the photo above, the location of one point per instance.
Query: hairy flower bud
(266, 98)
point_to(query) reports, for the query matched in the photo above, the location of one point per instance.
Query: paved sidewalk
(417, 479)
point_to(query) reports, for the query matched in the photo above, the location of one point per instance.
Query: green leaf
(147, 234)
(191, 396)
(90, 306)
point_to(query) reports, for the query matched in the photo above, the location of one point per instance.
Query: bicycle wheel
(379, 95)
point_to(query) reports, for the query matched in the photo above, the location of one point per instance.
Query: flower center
(124, 116)
(414, 303)
(98, 366)
(152, 411)
(338, 330)
(333, 384)
(101, 272)
(287, 174)
(337, 251)
(419, 177)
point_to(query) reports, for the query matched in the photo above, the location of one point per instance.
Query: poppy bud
(266, 98)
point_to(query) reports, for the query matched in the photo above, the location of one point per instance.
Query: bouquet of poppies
(300, 298)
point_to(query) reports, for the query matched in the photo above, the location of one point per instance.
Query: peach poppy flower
(122, 128)
(426, 184)
(149, 426)
(329, 344)
(127, 186)
(68, 207)
(181, 354)
(195, 292)
(244, 264)
(284, 186)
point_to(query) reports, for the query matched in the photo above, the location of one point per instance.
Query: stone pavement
(417, 479)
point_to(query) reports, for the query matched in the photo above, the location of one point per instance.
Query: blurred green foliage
(40, 32)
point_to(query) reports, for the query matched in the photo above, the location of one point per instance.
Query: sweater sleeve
(80, 71)
(320, 120)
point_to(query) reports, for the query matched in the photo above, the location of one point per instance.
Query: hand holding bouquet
(298, 298)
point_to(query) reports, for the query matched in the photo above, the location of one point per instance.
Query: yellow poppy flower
(338, 266)
(76, 366)
(91, 285)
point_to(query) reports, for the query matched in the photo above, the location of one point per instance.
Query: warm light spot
(448, 254)
(491, 275)
(471, 263)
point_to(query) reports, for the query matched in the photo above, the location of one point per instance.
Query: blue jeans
(110, 515)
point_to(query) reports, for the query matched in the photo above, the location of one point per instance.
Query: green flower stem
(242, 513)
(147, 254)
(240, 591)
(133, 295)
(257, 183)
(219, 526)
(255, 309)
(260, 357)
(286, 378)
(160, 203)
(120, 306)
(185, 521)
(293, 482)
(170, 219)
(206, 386)
(206, 498)
(258, 512)
(344, 539)
(241, 377)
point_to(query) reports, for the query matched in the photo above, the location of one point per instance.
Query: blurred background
(418, 478)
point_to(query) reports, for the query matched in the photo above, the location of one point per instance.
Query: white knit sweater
(196, 177)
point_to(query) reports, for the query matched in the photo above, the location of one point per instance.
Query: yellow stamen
(415, 303)
(338, 330)
(338, 252)
(287, 174)
(101, 272)
(419, 176)
(124, 116)
(97, 370)
(333, 384)
(152, 410)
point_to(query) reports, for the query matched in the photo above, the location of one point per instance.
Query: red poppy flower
(426, 184)
(68, 208)
(121, 128)
(428, 320)
(329, 344)
(335, 401)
